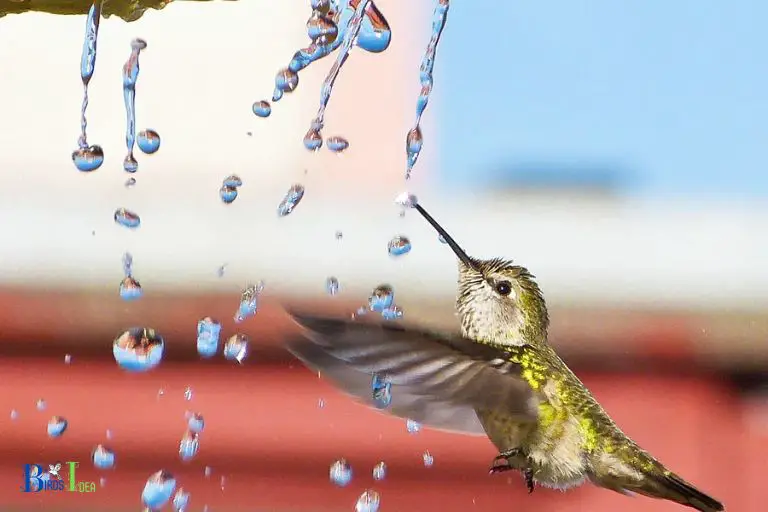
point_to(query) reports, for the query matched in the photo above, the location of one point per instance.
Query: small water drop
(127, 218)
(188, 394)
(236, 348)
(339, 235)
(286, 80)
(207, 471)
(130, 182)
(196, 423)
(158, 490)
(180, 501)
(407, 200)
(40, 404)
(103, 457)
(332, 286)
(130, 164)
(249, 302)
(337, 144)
(102, 482)
(392, 313)
(148, 141)
(67, 359)
(413, 427)
(320, 403)
(227, 194)
(369, 501)
(428, 459)
(56, 426)
(313, 140)
(138, 349)
(399, 245)
(381, 391)
(14, 414)
(380, 471)
(341, 473)
(441, 239)
(291, 200)
(88, 159)
(108, 434)
(381, 298)
(233, 180)
(189, 446)
(208, 333)
(130, 289)
(262, 108)
(222, 481)
(221, 270)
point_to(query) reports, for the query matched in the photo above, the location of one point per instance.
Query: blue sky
(672, 93)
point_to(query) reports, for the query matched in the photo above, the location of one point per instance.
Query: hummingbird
(499, 378)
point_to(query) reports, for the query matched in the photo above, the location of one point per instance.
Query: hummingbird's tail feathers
(677, 489)
(435, 380)
(668, 486)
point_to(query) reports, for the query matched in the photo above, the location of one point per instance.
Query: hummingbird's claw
(501, 464)
(528, 475)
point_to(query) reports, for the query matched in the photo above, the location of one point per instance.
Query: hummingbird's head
(497, 301)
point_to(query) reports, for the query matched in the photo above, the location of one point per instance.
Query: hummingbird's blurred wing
(437, 381)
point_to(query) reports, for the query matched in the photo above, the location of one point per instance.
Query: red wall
(267, 436)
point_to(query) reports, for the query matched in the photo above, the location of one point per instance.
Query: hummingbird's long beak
(458, 251)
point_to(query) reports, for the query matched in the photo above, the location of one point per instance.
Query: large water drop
(88, 158)
(181, 501)
(130, 289)
(103, 457)
(189, 446)
(262, 108)
(369, 501)
(340, 473)
(208, 333)
(138, 349)
(127, 218)
(337, 144)
(56, 426)
(196, 423)
(158, 490)
(291, 200)
(399, 245)
(148, 141)
(382, 297)
(236, 348)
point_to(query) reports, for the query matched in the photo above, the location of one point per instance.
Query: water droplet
(196, 423)
(207, 471)
(375, 34)
(339, 235)
(130, 76)
(108, 434)
(56, 426)
(332, 286)
(130, 182)
(188, 446)
(102, 482)
(88, 159)
(319, 26)
(220, 271)
(399, 245)
(233, 180)
(103, 457)
(138, 349)
(158, 489)
(413, 427)
(320, 403)
(337, 144)
(381, 391)
(208, 332)
(393, 313)
(291, 200)
(381, 298)
(369, 501)
(262, 108)
(249, 302)
(87, 67)
(148, 141)
(286, 80)
(414, 141)
(67, 359)
(428, 459)
(227, 194)
(236, 348)
(222, 481)
(127, 218)
(14, 414)
(188, 394)
(160, 393)
(441, 239)
(340, 473)
(407, 200)
(313, 140)
(380, 471)
(40, 404)
(180, 501)
(130, 289)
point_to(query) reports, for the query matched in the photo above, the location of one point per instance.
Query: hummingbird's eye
(503, 288)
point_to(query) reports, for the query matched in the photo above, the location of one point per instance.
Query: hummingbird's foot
(503, 462)
(528, 475)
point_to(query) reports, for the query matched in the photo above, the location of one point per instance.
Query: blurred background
(618, 151)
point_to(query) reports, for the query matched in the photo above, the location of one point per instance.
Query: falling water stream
(130, 76)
